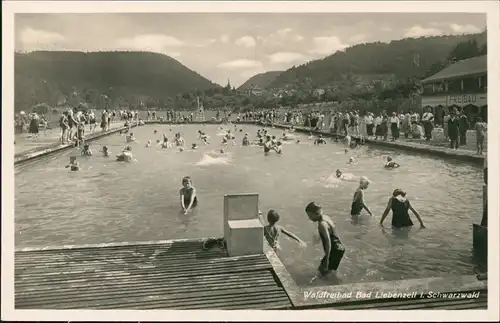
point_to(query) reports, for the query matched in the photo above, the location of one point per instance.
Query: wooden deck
(172, 275)
(180, 275)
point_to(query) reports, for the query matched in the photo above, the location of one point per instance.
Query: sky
(232, 46)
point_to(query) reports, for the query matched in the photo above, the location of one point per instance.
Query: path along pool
(109, 201)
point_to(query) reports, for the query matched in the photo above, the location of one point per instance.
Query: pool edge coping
(45, 150)
(296, 293)
(417, 147)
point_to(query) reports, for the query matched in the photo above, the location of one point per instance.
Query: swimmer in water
(400, 205)
(358, 201)
(353, 144)
(346, 150)
(148, 144)
(181, 149)
(339, 174)
(320, 140)
(272, 231)
(390, 163)
(351, 160)
(194, 146)
(347, 141)
(222, 151)
(311, 137)
(245, 141)
(297, 142)
(268, 145)
(155, 131)
(333, 248)
(105, 151)
(73, 165)
(126, 155)
(187, 194)
(86, 151)
(130, 137)
(278, 148)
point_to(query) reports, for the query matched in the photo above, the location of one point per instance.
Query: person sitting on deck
(272, 231)
(400, 205)
(333, 248)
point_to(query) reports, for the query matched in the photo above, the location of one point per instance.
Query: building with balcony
(462, 85)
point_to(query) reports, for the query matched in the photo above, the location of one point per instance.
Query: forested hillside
(398, 60)
(127, 76)
(262, 80)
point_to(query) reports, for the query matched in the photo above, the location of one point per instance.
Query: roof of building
(470, 66)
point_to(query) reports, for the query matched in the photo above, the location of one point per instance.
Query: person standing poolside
(481, 128)
(400, 205)
(428, 120)
(454, 129)
(358, 200)
(333, 248)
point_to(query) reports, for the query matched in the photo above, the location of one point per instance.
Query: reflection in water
(115, 202)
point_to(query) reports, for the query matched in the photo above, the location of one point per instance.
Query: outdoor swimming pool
(109, 201)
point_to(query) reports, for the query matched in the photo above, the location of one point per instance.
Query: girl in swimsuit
(272, 231)
(400, 205)
(188, 197)
(333, 248)
(358, 201)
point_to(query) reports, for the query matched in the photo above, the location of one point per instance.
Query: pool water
(109, 201)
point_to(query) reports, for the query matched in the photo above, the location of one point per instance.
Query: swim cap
(364, 180)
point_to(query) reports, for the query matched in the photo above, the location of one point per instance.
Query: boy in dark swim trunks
(188, 196)
(334, 250)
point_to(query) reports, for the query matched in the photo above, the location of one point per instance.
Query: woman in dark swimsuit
(400, 206)
(358, 200)
(333, 248)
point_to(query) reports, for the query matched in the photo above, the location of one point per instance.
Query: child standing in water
(400, 205)
(358, 201)
(272, 231)
(333, 248)
(74, 166)
(188, 196)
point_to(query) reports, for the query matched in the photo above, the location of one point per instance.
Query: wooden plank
(152, 297)
(140, 280)
(119, 265)
(184, 269)
(213, 302)
(138, 286)
(129, 258)
(114, 252)
(112, 247)
(132, 254)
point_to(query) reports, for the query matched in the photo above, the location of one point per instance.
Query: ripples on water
(108, 201)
